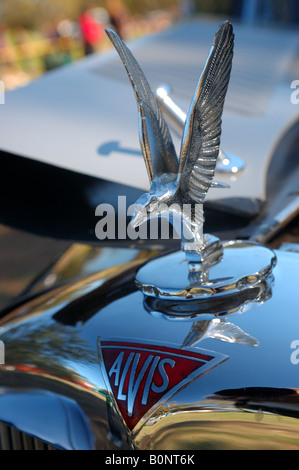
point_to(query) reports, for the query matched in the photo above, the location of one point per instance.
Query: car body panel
(75, 133)
(94, 99)
(252, 395)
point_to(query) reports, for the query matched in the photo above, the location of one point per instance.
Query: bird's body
(166, 200)
(179, 186)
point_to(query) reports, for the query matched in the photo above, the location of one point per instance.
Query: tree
(32, 13)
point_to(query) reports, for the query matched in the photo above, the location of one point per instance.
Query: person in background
(91, 32)
(187, 7)
(118, 16)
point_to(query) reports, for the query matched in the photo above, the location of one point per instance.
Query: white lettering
(295, 94)
(172, 459)
(295, 354)
(125, 371)
(149, 380)
(116, 460)
(108, 221)
(133, 387)
(115, 369)
(122, 219)
(141, 231)
(120, 394)
(2, 353)
(164, 376)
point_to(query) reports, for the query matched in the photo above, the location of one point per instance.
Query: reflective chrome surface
(178, 184)
(242, 266)
(270, 228)
(174, 186)
(226, 162)
(250, 401)
(235, 310)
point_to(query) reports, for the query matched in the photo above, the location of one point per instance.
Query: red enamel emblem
(142, 375)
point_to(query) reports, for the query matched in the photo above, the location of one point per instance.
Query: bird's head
(145, 207)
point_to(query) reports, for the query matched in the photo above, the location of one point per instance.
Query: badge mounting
(141, 376)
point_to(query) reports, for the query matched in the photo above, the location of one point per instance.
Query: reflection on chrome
(223, 277)
(226, 162)
(218, 329)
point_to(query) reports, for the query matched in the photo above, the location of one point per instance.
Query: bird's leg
(193, 244)
(202, 251)
(192, 232)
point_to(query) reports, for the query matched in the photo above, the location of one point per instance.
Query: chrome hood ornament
(175, 183)
(178, 187)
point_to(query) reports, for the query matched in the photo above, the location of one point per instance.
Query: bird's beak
(139, 218)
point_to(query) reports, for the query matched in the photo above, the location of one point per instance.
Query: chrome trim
(223, 278)
(254, 392)
(266, 231)
(226, 163)
(13, 439)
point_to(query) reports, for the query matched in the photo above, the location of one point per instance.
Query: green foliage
(144, 6)
(32, 13)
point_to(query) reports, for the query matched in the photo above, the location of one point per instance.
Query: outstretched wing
(155, 139)
(201, 139)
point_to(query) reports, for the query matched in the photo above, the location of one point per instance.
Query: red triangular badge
(141, 375)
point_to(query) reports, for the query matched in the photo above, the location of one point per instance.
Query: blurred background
(37, 36)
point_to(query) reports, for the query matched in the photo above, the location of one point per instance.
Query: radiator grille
(12, 439)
